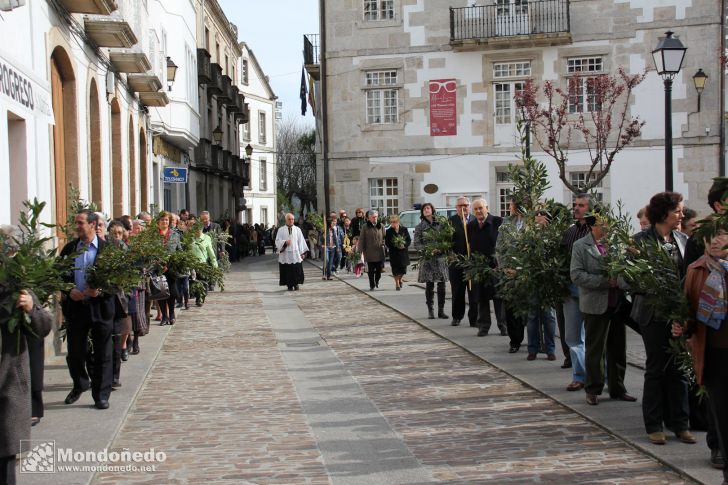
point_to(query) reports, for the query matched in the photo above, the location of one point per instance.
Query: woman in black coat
(398, 254)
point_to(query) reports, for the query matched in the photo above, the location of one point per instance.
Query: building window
(582, 97)
(261, 127)
(504, 189)
(244, 72)
(378, 9)
(578, 179)
(264, 216)
(263, 186)
(512, 69)
(384, 196)
(246, 131)
(382, 102)
(207, 39)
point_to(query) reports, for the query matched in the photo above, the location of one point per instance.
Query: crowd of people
(102, 328)
(593, 317)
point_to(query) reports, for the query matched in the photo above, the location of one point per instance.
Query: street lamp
(699, 80)
(668, 57)
(171, 73)
(217, 135)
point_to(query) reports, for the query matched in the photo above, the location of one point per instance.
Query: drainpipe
(721, 86)
(324, 110)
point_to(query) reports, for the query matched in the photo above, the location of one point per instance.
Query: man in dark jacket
(483, 235)
(88, 310)
(457, 285)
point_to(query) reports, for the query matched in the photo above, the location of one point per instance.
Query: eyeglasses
(450, 86)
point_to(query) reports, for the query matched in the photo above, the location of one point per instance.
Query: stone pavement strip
(327, 385)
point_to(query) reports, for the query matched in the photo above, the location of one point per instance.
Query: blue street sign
(173, 175)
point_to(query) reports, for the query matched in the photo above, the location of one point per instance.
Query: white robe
(291, 254)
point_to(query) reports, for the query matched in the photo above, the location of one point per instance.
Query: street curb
(623, 439)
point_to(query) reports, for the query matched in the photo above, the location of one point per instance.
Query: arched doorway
(117, 172)
(143, 170)
(97, 194)
(132, 169)
(65, 133)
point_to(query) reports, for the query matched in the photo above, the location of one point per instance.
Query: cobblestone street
(327, 385)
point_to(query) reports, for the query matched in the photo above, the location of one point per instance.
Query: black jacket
(101, 308)
(483, 240)
(458, 240)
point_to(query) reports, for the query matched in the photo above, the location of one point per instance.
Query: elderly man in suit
(598, 300)
(483, 235)
(88, 310)
(457, 285)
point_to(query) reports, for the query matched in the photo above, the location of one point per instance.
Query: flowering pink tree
(592, 115)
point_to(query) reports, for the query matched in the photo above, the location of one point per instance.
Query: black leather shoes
(592, 399)
(102, 404)
(455, 322)
(73, 396)
(513, 349)
(125, 355)
(624, 397)
(482, 333)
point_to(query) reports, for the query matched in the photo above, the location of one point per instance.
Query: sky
(274, 30)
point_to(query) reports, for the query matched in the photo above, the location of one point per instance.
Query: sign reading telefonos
(174, 175)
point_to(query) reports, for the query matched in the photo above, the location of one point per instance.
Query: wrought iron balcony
(204, 75)
(311, 53)
(216, 164)
(226, 90)
(226, 158)
(214, 86)
(511, 24)
(203, 154)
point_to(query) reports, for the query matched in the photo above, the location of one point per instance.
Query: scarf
(712, 306)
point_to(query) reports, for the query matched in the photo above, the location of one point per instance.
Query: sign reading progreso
(174, 175)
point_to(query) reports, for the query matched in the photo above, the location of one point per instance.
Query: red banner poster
(443, 114)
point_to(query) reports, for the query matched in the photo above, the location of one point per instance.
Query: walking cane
(467, 245)
(326, 253)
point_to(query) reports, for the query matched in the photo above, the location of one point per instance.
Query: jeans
(330, 261)
(574, 332)
(549, 329)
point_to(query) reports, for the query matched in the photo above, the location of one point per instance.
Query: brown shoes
(575, 386)
(657, 438)
(624, 397)
(531, 357)
(550, 357)
(686, 437)
(592, 399)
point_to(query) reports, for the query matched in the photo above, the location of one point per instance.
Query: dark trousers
(715, 379)
(117, 344)
(166, 307)
(665, 395)
(459, 288)
(374, 270)
(605, 335)
(515, 325)
(483, 297)
(561, 324)
(36, 353)
(7, 470)
(103, 370)
(183, 289)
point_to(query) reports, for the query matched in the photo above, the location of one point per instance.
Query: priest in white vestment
(291, 247)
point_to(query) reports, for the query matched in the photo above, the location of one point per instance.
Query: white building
(260, 134)
(382, 59)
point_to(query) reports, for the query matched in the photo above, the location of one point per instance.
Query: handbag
(158, 288)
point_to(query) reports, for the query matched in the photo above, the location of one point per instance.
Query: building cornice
(214, 7)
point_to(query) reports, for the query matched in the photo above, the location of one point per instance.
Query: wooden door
(59, 147)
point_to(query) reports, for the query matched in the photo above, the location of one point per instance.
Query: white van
(410, 219)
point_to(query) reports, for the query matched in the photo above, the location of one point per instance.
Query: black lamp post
(699, 80)
(668, 57)
(171, 73)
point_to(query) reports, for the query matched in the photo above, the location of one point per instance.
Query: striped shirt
(573, 234)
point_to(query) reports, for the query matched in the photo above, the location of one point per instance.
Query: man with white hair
(291, 247)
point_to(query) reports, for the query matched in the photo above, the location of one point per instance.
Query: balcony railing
(226, 157)
(203, 154)
(311, 48)
(214, 86)
(216, 164)
(521, 18)
(203, 66)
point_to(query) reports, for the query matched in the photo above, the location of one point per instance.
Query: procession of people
(592, 317)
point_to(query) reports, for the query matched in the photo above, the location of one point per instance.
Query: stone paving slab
(621, 419)
(466, 420)
(220, 404)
